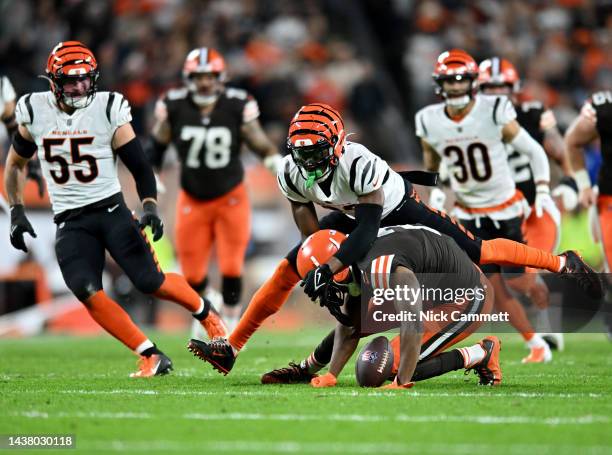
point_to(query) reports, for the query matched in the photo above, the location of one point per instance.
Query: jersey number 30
(217, 141)
(462, 174)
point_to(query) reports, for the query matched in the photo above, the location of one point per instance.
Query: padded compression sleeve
(134, 158)
(360, 240)
(524, 143)
(23, 147)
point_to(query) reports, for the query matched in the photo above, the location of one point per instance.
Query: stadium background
(372, 59)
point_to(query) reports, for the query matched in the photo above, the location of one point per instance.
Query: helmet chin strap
(312, 177)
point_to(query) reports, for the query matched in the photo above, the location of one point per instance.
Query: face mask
(458, 101)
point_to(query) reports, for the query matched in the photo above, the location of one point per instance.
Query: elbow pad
(360, 240)
(524, 143)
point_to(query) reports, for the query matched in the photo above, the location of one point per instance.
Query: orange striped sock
(176, 289)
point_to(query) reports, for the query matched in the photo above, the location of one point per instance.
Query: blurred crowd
(355, 55)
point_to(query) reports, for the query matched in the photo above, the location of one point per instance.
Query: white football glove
(273, 162)
(437, 198)
(567, 190)
(542, 199)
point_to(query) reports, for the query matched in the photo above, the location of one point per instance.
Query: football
(374, 363)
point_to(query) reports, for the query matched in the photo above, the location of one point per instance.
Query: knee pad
(231, 288)
(148, 283)
(83, 289)
(201, 286)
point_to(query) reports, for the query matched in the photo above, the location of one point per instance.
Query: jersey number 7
(62, 175)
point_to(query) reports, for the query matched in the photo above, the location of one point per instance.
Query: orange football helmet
(204, 60)
(455, 65)
(496, 72)
(317, 249)
(72, 60)
(316, 139)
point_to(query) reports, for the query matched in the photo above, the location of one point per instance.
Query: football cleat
(538, 354)
(555, 341)
(214, 325)
(218, 352)
(154, 365)
(586, 278)
(488, 369)
(293, 374)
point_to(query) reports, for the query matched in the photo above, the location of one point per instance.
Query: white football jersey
(472, 149)
(75, 150)
(7, 92)
(359, 172)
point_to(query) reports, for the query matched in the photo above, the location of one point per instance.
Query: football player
(595, 122)
(364, 193)
(8, 99)
(468, 132)
(78, 133)
(498, 76)
(208, 123)
(416, 257)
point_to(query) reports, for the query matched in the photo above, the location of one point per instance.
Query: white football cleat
(556, 341)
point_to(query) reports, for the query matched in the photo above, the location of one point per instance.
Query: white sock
(536, 342)
(201, 306)
(561, 262)
(472, 355)
(146, 344)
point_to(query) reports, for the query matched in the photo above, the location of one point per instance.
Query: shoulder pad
(177, 94)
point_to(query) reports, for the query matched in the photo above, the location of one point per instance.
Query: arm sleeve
(524, 143)
(134, 158)
(361, 239)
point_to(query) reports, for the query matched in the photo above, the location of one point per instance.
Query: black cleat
(293, 374)
(586, 278)
(218, 352)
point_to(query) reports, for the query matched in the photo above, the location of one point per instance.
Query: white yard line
(286, 391)
(352, 418)
(336, 447)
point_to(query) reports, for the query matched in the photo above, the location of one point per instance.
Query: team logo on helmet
(498, 72)
(71, 61)
(316, 140)
(204, 60)
(456, 65)
(318, 249)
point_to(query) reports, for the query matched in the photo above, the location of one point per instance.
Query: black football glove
(19, 226)
(35, 173)
(333, 298)
(151, 218)
(316, 280)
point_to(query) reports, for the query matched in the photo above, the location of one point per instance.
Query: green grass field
(51, 385)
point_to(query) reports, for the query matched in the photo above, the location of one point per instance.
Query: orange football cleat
(538, 355)
(214, 325)
(488, 369)
(154, 365)
(326, 380)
